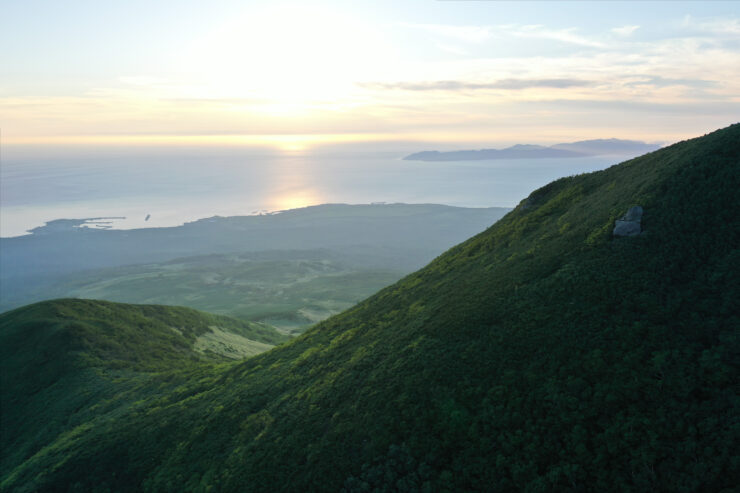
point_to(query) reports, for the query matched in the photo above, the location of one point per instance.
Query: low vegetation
(290, 290)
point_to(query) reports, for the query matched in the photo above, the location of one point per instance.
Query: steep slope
(542, 354)
(61, 361)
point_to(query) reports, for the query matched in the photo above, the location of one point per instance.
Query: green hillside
(543, 354)
(68, 361)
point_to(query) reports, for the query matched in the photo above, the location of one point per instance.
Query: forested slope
(542, 354)
(66, 363)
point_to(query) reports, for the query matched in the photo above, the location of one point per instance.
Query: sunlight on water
(301, 198)
(168, 188)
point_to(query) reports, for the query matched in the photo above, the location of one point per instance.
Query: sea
(156, 187)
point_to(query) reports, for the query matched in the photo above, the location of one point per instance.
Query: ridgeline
(542, 354)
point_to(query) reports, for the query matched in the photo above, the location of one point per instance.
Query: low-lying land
(290, 269)
(288, 290)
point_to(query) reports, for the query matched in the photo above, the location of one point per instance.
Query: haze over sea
(177, 185)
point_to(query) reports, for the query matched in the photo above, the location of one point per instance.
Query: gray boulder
(626, 228)
(633, 214)
(629, 224)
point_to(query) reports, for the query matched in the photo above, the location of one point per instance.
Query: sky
(297, 74)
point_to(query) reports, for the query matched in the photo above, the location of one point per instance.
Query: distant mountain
(519, 151)
(543, 354)
(583, 148)
(604, 147)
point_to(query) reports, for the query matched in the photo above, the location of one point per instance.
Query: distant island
(584, 148)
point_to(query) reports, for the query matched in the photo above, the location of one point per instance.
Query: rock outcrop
(629, 224)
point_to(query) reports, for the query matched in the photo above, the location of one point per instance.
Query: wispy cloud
(689, 109)
(457, 85)
(468, 34)
(727, 26)
(495, 74)
(568, 35)
(625, 30)
(658, 81)
(451, 49)
(142, 80)
(480, 34)
(216, 100)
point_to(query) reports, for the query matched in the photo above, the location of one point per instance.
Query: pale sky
(297, 73)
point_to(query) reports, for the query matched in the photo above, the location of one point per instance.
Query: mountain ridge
(541, 354)
(583, 148)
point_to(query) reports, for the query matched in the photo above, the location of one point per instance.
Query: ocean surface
(154, 188)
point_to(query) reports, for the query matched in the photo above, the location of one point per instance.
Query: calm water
(173, 188)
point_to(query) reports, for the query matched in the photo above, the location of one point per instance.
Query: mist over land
(290, 269)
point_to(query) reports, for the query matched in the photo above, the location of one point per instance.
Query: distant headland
(584, 148)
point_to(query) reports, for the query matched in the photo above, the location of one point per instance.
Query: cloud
(625, 30)
(658, 81)
(730, 26)
(216, 100)
(451, 49)
(456, 85)
(141, 80)
(713, 31)
(537, 31)
(480, 34)
(685, 109)
(468, 34)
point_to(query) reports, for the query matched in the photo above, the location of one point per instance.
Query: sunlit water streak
(176, 188)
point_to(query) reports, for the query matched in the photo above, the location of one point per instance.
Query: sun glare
(296, 200)
(281, 142)
(285, 61)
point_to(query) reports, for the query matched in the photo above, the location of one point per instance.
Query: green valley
(290, 269)
(289, 290)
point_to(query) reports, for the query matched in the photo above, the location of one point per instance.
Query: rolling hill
(65, 359)
(542, 354)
